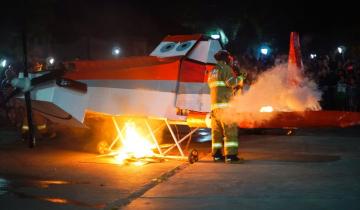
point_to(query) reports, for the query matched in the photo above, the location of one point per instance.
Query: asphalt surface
(313, 169)
(52, 176)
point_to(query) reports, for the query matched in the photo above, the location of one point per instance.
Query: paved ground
(51, 177)
(314, 169)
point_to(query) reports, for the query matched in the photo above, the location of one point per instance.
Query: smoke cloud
(282, 88)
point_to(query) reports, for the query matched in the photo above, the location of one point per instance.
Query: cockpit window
(170, 49)
(167, 47)
(183, 46)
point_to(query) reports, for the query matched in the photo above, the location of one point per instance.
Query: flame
(134, 146)
(266, 109)
(56, 200)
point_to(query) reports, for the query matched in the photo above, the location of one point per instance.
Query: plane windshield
(170, 49)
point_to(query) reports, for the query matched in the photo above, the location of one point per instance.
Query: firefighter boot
(218, 157)
(233, 159)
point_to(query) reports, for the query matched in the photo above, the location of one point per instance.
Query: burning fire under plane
(170, 84)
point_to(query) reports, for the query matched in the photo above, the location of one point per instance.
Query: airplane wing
(53, 113)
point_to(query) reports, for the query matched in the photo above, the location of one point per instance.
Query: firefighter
(223, 82)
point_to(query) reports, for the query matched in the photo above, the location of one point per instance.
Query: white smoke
(272, 88)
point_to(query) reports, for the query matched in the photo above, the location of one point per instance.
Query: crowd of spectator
(337, 76)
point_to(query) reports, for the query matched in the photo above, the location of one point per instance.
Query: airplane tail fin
(295, 64)
(294, 51)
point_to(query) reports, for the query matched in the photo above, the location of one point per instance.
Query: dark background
(89, 29)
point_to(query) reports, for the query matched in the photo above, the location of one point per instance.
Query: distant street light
(312, 56)
(217, 33)
(215, 36)
(50, 61)
(341, 49)
(116, 51)
(264, 51)
(3, 63)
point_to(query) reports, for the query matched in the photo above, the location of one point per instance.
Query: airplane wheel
(102, 147)
(193, 156)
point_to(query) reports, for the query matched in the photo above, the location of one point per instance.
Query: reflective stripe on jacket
(222, 83)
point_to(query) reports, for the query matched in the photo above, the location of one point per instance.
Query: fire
(134, 145)
(266, 109)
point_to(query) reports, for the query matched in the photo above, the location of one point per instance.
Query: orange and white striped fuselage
(173, 77)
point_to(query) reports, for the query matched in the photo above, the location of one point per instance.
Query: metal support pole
(154, 131)
(31, 136)
(153, 136)
(181, 140)
(175, 139)
(118, 129)
(113, 142)
(119, 136)
(188, 142)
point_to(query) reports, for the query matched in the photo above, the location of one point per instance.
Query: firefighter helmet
(223, 55)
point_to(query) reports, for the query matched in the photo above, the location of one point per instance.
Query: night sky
(246, 23)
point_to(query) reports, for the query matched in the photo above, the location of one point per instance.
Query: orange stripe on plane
(194, 71)
(140, 68)
(110, 70)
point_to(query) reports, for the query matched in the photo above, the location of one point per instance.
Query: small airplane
(173, 77)
(165, 85)
(170, 83)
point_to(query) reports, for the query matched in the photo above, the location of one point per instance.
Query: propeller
(26, 84)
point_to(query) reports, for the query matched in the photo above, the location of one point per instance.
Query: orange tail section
(294, 51)
(295, 64)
